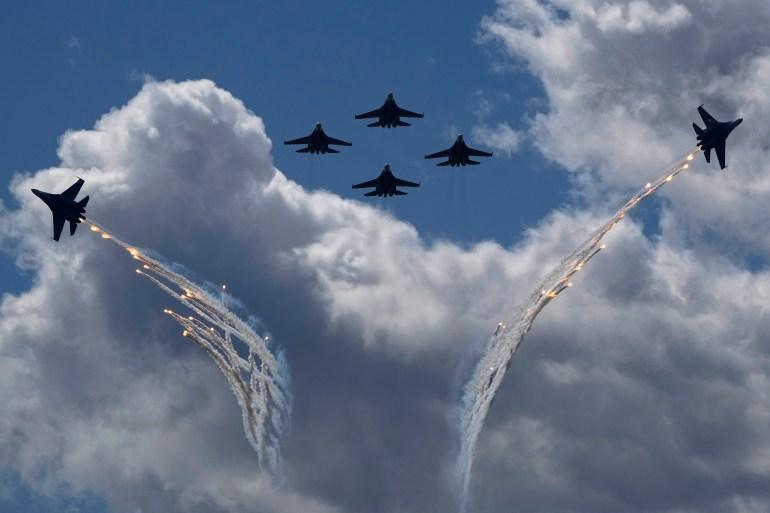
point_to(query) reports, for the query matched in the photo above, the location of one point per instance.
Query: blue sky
(294, 63)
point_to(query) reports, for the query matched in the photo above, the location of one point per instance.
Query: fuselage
(458, 153)
(714, 134)
(318, 140)
(386, 183)
(389, 114)
(68, 209)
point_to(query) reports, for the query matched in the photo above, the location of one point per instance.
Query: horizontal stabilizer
(376, 123)
(404, 123)
(698, 130)
(83, 202)
(304, 150)
(472, 162)
(399, 193)
(331, 150)
(339, 142)
(445, 163)
(373, 193)
(73, 227)
(301, 140)
(707, 154)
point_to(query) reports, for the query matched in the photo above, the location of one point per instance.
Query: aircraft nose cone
(738, 121)
(36, 193)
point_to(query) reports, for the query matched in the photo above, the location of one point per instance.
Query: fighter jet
(458, 154)
(64, 207)
(390, 114)
(385, 184)
(714, 136)
(318, 142)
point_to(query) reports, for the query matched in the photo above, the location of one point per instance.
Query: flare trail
(480, 390)
(259, 380)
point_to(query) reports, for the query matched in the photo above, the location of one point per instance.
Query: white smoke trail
(259, 381)
(489, 372)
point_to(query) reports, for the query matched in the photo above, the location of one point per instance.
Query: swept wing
(73, 190)
(478, 153)
(409, 114)
(438, 154)
(371, 114)
(365, 185)
(339, 142)
(706, 117)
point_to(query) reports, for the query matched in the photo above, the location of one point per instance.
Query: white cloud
(640, 16)
(106, 394)
(639, 389)
(500, 137)
(620, 102)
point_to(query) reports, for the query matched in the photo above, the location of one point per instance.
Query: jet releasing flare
(488, 375)
(64, 207)
(714, 136)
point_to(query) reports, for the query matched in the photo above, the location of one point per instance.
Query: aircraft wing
(405, 183)
(301, 140)
(478, 153)
(371, 114)
(438, 154)
(72, 191)
(720, 149)
(58, 224)
(339, 142)
(408, 113)
(707, 118)
(365, 185)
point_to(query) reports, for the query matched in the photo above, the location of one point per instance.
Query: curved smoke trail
(259, 380)
(502, 345)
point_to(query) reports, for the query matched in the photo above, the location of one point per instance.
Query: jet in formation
(459, 154)
(714, 135)
(385, 184)
(389, 114)
(64, 207)
(318, 142)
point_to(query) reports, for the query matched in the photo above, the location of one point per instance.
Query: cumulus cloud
(640, 16)
(642, 389)
(106, 397)
(500, 137)
(623, 80)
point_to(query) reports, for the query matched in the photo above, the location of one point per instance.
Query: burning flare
(259, 380)
(507, 337)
